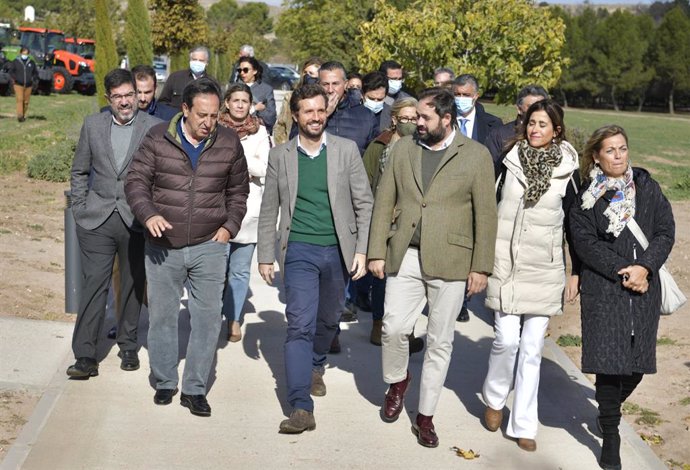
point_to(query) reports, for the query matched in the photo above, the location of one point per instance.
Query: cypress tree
(138, 34)
(106, 52)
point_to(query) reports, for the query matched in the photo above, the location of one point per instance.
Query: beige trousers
(406, 294)
(23, 94)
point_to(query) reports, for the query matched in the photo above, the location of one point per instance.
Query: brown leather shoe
(493, 419)
(234, 332)
(375, 337)
(423, 428)
(530, 445)
(393, 404)
(318, 387)
(300, 420)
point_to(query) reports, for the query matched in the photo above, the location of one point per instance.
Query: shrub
(54, 163)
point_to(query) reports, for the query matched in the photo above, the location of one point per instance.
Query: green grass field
(51, 120)
(658, 142)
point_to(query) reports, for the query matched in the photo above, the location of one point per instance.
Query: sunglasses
(243, 69)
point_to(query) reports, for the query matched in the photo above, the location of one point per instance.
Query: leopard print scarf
(538, 165)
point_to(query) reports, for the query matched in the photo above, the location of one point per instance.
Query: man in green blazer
(433, 233)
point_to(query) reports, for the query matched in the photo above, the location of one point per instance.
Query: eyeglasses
(405, 120)
(243, 69)
(128, 96)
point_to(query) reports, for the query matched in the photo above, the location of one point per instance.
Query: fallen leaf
(465, 454)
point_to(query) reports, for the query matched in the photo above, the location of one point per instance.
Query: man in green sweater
(319, 184)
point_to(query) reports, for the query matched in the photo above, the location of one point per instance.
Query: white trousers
(527, 347)
(406, 294)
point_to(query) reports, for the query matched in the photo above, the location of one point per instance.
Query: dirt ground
(32, 286)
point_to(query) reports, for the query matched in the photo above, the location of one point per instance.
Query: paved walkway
(110, 421)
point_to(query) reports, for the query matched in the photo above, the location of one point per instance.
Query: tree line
(628, 58)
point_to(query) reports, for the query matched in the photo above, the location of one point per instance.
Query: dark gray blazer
(348, 191)
(98, 187)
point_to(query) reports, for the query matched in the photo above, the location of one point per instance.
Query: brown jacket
(198, 202)
(457, 210)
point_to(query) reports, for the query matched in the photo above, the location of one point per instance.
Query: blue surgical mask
(464, 104)
(24, 56)
(373, 106)
(197, 67)
(394, 86)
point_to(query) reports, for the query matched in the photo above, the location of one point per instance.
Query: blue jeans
(315, 278)
(239, 265)
(167, 269)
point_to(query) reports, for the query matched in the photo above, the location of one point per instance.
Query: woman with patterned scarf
(255, 141)
(529, 279)
(621, 294)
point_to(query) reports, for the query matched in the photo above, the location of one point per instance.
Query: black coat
(496, 142)
(171, 95)
(483, 124)
(611, 313)
(23, 72)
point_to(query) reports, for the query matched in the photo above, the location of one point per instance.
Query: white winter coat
(529, 269)
(256, 147)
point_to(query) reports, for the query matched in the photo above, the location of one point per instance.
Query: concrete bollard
(73, 273)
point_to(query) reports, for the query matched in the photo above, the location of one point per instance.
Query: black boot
(611, 452)
(608, 396)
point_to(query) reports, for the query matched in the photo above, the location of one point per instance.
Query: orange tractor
(70, 70)
(83, 47)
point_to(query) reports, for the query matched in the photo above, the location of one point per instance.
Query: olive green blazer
(457, 211)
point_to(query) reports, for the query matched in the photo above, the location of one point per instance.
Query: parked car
(161, 71)
(280, 77)
(160, 66)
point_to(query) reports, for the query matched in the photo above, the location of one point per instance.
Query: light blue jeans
(239, 266)
(167, 269)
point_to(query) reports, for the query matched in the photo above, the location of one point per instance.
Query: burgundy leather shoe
(393, 404)
(423, 428)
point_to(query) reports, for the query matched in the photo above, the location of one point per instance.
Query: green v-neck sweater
(312, 221)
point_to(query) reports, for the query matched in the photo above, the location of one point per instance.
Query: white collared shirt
(304, 151)
(446, 143)
(469, 125)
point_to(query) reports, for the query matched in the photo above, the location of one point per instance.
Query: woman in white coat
(256, 144)
(526, 287)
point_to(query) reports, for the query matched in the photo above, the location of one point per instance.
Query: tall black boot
(608, 396)
(611, 452)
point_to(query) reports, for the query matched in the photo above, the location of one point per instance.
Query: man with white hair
(177, 81)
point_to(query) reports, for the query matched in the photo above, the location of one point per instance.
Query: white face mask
(24, 56)
(394, 86)
(197, 66)
(374, 106)
(464, 104)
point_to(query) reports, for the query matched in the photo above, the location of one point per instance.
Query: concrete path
(110, 421)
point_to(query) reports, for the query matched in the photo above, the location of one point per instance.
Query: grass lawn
(51, 120)
(658, 142)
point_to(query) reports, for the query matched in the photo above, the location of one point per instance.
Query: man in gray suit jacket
(319, 184)
(105, 224)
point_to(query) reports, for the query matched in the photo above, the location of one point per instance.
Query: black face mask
(309, 80)
(355, 94)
